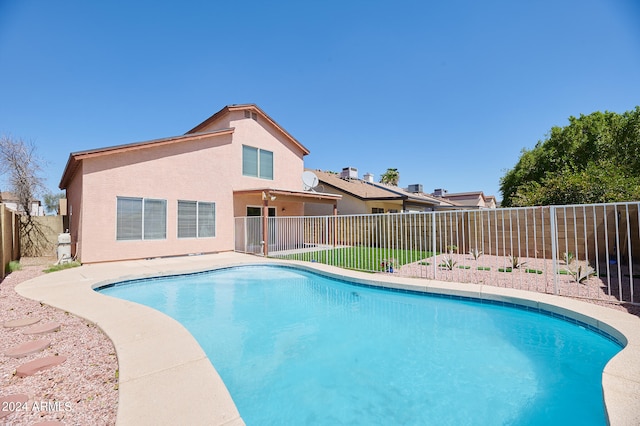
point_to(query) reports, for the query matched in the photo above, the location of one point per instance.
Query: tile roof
(376, 191)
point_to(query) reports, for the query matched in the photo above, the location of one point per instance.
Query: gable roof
(253, 108)
(75, 158)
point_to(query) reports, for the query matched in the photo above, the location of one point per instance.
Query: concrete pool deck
(166, 378)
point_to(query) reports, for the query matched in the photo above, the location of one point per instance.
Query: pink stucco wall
(199, 170)
(74, 210)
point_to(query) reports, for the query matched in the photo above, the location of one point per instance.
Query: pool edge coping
(620, 379)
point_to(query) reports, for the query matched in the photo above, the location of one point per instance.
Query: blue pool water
(296, 348)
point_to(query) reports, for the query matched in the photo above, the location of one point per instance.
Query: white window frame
(197, 220)
(259, 169)
(142, 219)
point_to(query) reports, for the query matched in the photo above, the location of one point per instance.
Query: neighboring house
(364, 196)
(179, 195)
(11, 201)
(474, 199)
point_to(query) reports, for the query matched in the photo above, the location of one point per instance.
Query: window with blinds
(196, 219)
(129, 219)
(141, 219)
(257, 162)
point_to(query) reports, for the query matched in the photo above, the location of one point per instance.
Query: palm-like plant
(390, 177)
(516, 262)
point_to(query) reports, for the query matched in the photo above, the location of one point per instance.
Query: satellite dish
(309, 181)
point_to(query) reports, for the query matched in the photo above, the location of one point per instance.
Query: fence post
(2, 237)
(433, 244)
(554, 246)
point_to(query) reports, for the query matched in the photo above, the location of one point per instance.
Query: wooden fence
(9, 238)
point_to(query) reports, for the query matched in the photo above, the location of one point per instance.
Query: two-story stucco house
(179, 195)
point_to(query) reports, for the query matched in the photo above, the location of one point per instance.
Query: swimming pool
(295, 347)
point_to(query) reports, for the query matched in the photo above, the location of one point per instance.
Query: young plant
(568, 258)
(13, 266)
(475, 253)
(582, 272)
(452, 248)
(515, 262)
(448, 262)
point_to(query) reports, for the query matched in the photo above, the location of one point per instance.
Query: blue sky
(447, 92)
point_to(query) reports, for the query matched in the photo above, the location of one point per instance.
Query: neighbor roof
(375, 191)
(249, 107)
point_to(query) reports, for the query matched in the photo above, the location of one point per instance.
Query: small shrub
(452, 248)
(568, 258)
(515, 262)
(448, 262)
(505, 269)
(13, 266)
(464, 267)
(484, 268)
(582, 272)
(475, 253)
(533, 271)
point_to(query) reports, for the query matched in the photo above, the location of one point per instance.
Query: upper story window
(257, 162)
(141, 219)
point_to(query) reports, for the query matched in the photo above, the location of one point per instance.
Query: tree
(390, 177)
(21, 167)
(52, 202)
(595, 159)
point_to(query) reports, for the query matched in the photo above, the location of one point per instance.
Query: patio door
(253, 211)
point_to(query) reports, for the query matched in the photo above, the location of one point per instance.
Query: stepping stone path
(27, 348)
(32, 367)
(45, 328)
(22, 322)
(12, 403)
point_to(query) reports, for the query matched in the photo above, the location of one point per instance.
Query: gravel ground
(81, 391)
(534, 275)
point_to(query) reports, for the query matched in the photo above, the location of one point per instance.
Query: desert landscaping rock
(86, 384)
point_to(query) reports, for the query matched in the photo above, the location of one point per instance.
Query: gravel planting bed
(533, 275)
(81, 391)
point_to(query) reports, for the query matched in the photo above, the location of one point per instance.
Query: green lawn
(362, 258)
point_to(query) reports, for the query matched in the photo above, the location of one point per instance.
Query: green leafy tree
(52, 202)
(390, 177)
(595, 159)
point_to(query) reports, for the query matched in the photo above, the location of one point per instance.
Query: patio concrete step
(32, 367)
(27, 348)
(45, 328)
(20, 322)
(12, 403)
